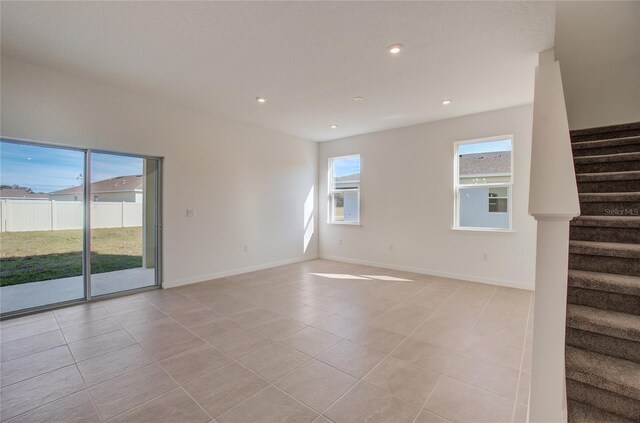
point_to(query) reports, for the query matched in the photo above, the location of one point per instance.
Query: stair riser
(606, 135)
(602, 234)
(604, 400)
(610, 186)
(602, 344)
(602, 264)
(582, 413)
(632, 147)
(610, 209)
(621, 303)
(620, 166)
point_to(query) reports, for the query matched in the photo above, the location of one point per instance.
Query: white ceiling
(309, 59)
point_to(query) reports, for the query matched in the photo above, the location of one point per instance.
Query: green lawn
(43, 255)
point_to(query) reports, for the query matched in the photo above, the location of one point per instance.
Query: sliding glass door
(123, 198)
(41, 239)
(75, 225)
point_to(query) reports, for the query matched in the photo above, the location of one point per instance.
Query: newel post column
(553, 202)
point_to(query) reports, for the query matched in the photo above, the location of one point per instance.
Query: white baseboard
(471, 278)
(237, 271)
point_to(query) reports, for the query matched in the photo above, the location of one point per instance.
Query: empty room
(320, 211)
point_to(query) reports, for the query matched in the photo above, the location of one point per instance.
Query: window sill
(508, 231)
(345, 223)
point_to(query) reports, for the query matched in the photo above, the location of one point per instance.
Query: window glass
(344, 189)
(483, 184)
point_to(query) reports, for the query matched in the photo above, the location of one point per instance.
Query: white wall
(248, 185)
(407, 200)
(598, 47)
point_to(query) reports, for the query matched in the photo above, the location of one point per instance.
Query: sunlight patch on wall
(308, 223)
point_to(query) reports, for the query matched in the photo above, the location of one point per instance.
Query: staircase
(603, 310)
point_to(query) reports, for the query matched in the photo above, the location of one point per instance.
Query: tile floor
(318, 341)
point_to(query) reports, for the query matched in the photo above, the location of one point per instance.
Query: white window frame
(489, 198)
(332, 190)
(457, 186)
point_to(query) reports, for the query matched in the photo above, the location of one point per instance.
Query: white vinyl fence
(50, 215)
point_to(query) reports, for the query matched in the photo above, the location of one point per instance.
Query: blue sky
(346, 166)
(45, 169)
(105, 166)
(485, 147)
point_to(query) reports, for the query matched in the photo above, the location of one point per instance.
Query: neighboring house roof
(353, 177)
(118, 184)
(485, 163)
(348, 181)
(19, 193)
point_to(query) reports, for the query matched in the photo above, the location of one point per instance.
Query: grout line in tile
(56, 400)
(245, 367)
(179, 385)
(37, 352)
(105, 352)
(222, 352)
(73, 364)
(44, 373)
(93, 336)
(395, 306)
(389, 354)
(27, 337)
(246, 399)
(84, 382)
(444, 372)
(522, 358)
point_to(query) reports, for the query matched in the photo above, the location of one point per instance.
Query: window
(498, 199)
(344, 190)
(483, 182)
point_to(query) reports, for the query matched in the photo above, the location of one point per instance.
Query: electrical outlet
(191, 213)
(246, 248)
(340, 241)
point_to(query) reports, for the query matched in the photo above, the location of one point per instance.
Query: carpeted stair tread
(612, 142)
(608, 249)
(609, 197)
(605, 322)
(605, 372)
(602, 399)
(631, 175)
(632, 222)
(606, 132)
(583, 413)
(603, 344)
(609, 282)
(605, 129)
(607, 158)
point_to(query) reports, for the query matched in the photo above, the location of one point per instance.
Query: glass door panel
(41, 225)
(123, 218)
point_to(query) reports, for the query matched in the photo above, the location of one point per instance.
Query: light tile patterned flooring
(316, 341)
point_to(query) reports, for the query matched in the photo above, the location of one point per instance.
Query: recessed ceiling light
(261, 99)
(446, 102)
(358, 98)
(334, 126)
(395, 48)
